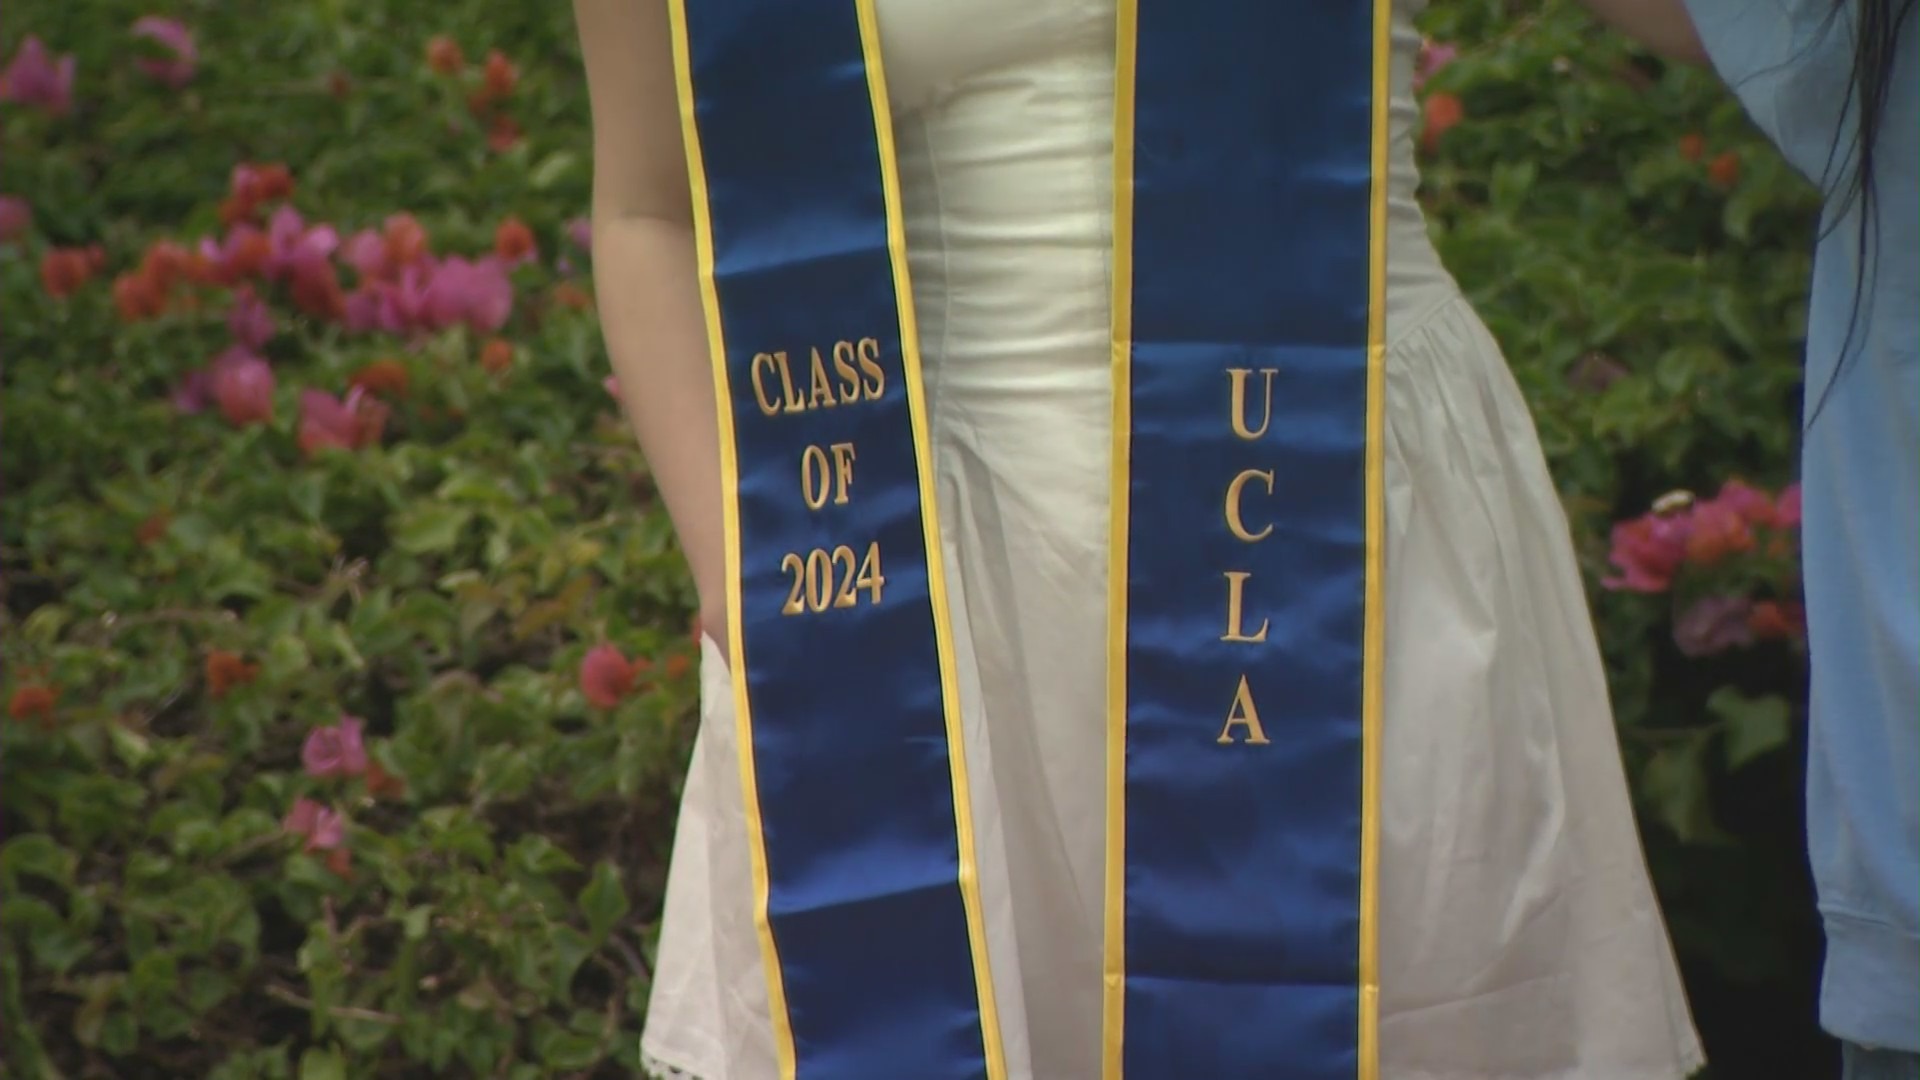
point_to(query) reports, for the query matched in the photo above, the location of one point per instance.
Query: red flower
(33, 701)
(251, 186)
(606, 675)
(496, 356)
(64, 270)
(226, 670)
(385, 377)
(500, 77)
(1648, 550)
(513, 242)
(1724, 169)
(316, 291)
(242, 254)
(153, 528)
(383, 784)
(1774, 620)
(1441, 112)
(1692, 146)
(444, 56)
(1716, 531)
(502, 134)
(571, 297)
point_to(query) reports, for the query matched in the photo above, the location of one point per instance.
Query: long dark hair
(1878, 25)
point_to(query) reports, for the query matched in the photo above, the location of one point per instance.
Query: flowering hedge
(347, 658)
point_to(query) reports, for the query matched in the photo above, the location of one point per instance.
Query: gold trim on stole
(783, 1048)
(1373, 646)
(1374, 640)
(1114, 947)
(968, 875)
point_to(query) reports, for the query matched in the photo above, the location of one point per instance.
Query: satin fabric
(1249, 247)
(849, 785)
(1519, 937)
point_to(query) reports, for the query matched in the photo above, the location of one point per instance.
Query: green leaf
(36, 855)
(322, 1063)
(603, 900)
(1674, 785)
(430, 528)
(553, 169)
(1752, 727)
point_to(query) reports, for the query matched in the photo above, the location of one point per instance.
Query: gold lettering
(843, 471)
(1237, 524)
(760, 362)
(825, 579)
(794, 402)
(820, 389)
(814, 472)
(1238, 377)
(843, 361)
(1243, 714)
(868, 352)
(1236, 590)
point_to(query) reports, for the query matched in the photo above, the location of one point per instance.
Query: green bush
(308, 772)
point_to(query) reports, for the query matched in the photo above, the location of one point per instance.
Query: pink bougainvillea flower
(34, 77)
(16, 217)
(294, 246)
(1786, 508)
(315, 289)
(366, 252)
(243, 386)
(349, 423)
(1647, 551)
(176, 69)
(249, 320)
(1714, 625)
(475, 292)
(241, 254)
(580, 231)
(1753, 506)
(335, 749)
(404, 305)
(606, 675)
(321, 827)
(193, 393)
(1433, 56)
(362, 310)
(611, 384)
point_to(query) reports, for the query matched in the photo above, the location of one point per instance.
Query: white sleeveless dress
(1520, 939)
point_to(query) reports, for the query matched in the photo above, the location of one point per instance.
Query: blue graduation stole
(1246, 619)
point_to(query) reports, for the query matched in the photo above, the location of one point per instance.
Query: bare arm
(647, 276)
(1661, 25)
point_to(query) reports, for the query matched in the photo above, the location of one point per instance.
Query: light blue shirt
(1860, 479)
